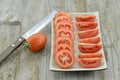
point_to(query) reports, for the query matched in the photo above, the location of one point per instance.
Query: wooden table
(18, 16)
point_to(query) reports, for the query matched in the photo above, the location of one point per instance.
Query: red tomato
(62, 13)
(90, 55)
(89, 62)
(63, 47)
(88, 33)
(37, 41)
(86, 25)
(85, 18)
(89, 48)
(64, 25)
(64, 59)
(61, 19)
(64, 40)
(65, 33)
(93, 40)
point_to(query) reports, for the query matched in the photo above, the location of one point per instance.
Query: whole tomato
(36, 42)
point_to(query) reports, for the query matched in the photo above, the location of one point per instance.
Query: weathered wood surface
(17, 16)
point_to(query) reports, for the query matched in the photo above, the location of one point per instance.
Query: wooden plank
(8, 34)
(13, 11)
(10, 28)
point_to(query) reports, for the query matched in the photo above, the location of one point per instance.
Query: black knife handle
(11, 48)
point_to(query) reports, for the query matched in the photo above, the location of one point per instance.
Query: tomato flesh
(88, 33)
(63, 47)
(85, 18)
(63, 40)
(93, 40)
(64, 59)
(89, 48)
(64, 25)
(89, 62)
(61, 19)
(65, 33)
(86, 25)
(89, 55)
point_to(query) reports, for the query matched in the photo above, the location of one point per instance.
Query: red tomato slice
(86, 25)
(65, 33)
(89, 62)
(63, 47)
(93, 40)
(64, 59)
(89, 55)
(64, 25)
(63, 19)
(88, 33)
(62, 13)
(89, 48)
(64, 40)
(85, 18)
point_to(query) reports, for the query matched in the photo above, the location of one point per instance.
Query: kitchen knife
(30, 32)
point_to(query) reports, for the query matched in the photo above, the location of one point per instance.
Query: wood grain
(18, 16)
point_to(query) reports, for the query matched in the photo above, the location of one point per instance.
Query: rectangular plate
(76, 66)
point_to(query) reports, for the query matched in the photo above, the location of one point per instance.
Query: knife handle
(11, 48)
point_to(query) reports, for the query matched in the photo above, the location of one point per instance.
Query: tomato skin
(89, 62)
(90, 55)
(86, 25)
(88, 33)
(62, 13)
(64, 59)
(93, 40)
(61, 19)
(89, 48)
(37, 41)
(85, 18)
(64, 25)
(63, 40)
(65, 33)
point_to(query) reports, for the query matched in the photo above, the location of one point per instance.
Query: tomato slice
(63, 47)
(89, 48)
(62, 13)
(63, 40)
(89, 55)
(93, 40)
(63, 19)
(88, 33)
(86, 25)
(64, 59)
(64, 25)
(89, 62)
(85, 18)
(65, 33)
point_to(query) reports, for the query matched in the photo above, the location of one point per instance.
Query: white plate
(76, 66)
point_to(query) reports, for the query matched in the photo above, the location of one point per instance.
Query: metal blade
(40, 25)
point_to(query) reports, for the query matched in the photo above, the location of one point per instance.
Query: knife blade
(8, 51)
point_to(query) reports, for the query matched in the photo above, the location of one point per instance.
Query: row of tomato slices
(89, 46)
(64, 40)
